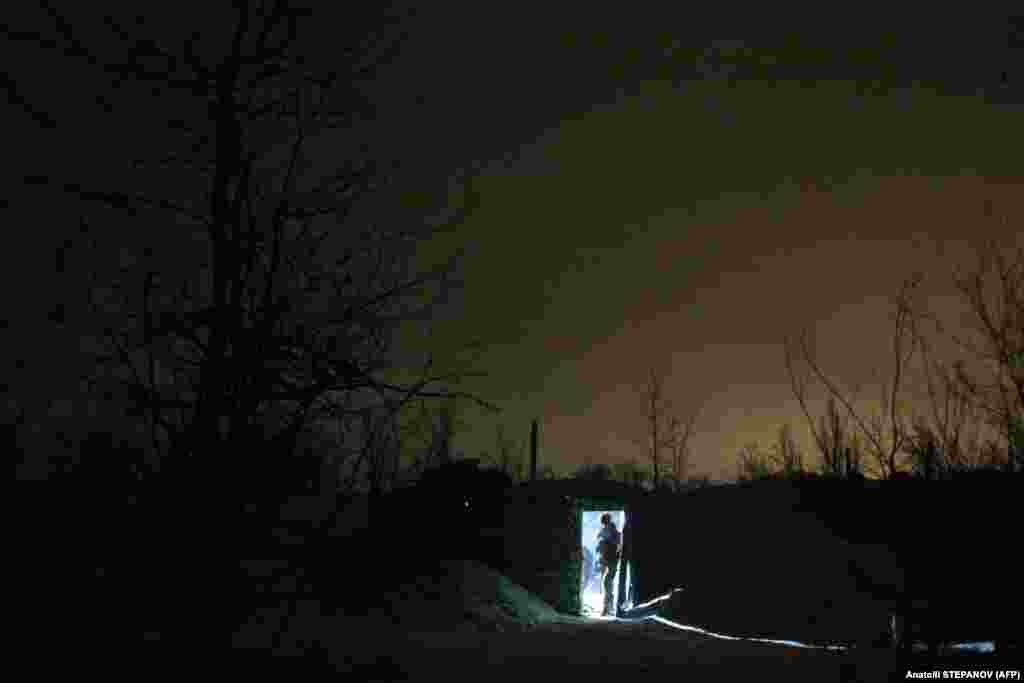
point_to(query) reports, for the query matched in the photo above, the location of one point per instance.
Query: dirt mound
(462, 594)
(454, 596)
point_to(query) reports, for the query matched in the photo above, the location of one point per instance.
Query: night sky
(683, 191)
(680, 192)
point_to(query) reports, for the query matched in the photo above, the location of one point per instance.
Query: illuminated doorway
(591, 589)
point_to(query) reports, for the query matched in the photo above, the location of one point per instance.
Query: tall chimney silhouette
(533, 451)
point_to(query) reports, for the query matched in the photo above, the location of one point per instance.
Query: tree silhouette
(994, 290)
(784, 459)
(665, 431)
(508, 454)
(629, 473)
(754, 464)
(885, 433)
(949, 429)
(787, 453)
(680, 434)
(989, 375)
(656, 415)
(840, 450)
(593, 472)
(443, 428)
(237, 304)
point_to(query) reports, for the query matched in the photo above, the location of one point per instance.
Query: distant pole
(533, 451)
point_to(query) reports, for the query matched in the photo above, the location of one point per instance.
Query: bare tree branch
(887, 433)
(255, 330)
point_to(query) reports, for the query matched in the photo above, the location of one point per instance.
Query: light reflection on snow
(660, 598)
(980, 647)
(788, 643)
(695, 629)
(986, 647)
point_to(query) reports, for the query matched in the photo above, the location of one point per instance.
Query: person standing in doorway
(608, 542)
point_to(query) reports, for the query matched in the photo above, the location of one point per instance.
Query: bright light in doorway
(591, 590)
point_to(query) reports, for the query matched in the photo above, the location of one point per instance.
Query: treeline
(284, 349)
(216, 319)
(225, 317)
(951, 397)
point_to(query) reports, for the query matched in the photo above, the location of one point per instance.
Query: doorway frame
(623, 570)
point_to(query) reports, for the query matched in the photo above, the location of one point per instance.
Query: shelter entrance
(599, 577)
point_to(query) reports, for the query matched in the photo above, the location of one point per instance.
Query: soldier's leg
(609, 588)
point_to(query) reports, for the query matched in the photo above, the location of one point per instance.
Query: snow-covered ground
(461, 617)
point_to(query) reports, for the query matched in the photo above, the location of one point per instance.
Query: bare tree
(839, 448)
(784, 460)
(659, 436)
(886, 431)
(680, 434)
(446, 426)
(947, 433)
(831, 431)
(431, 429)
(508, 454)
(754, 464)
(840, 455)
(928, 460)
(985, 384)
(994, 292)
(666, 432)
(228, 310)
(787, 454)
(377, 450)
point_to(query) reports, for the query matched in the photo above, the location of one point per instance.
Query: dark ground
(459, 618)
(613, 651)
(378, 612)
